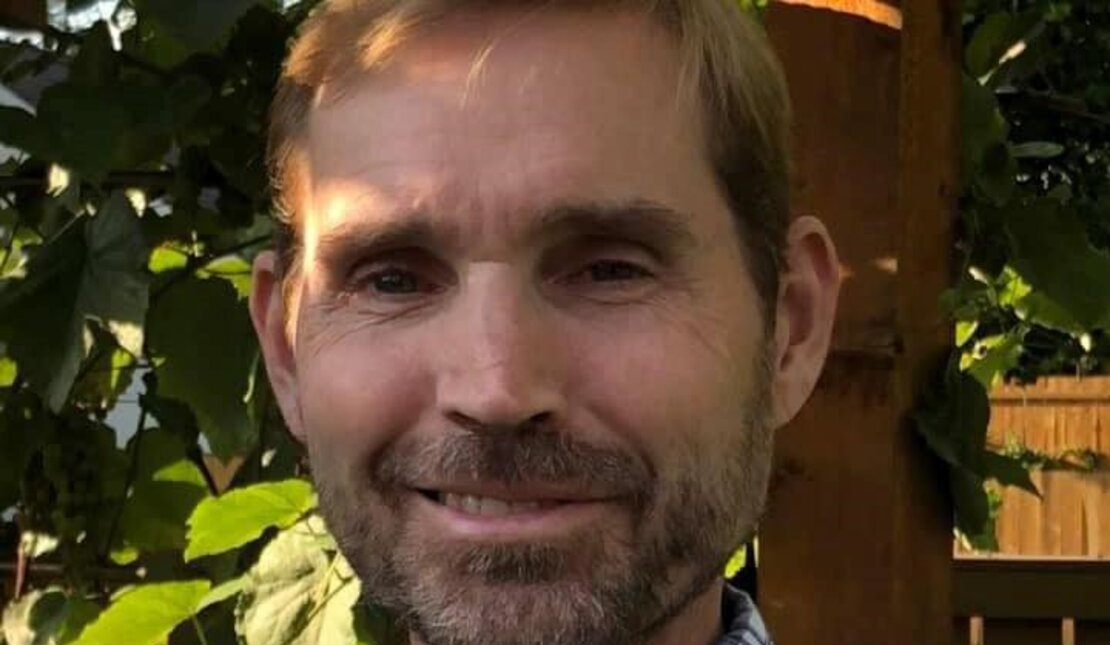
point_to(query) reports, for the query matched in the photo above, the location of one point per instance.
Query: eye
(394, 281)
(616, 271)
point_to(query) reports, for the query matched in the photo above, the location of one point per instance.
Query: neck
(699, 623)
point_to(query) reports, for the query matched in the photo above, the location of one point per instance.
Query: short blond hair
(726, 59)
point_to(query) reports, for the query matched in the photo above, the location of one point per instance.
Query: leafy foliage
(130, 380)
(129, 373)
(1033, 296)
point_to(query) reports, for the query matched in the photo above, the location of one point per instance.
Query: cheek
(358, 393)
(673, 383)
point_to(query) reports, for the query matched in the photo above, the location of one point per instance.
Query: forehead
(506, 112)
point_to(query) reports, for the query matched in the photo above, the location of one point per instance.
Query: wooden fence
(1057, 416)
(1031, 601)
(1050, 582)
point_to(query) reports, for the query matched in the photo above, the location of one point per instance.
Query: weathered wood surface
(1019, 601)
(856, 547)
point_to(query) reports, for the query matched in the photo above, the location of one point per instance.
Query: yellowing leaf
(298, 593)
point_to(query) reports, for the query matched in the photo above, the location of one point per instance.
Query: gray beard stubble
(683, 532)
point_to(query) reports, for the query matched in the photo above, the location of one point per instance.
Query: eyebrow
(649, 223)
(645, 221)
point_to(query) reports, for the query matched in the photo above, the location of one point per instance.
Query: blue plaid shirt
(743, 624)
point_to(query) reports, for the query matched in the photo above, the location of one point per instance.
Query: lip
(569, 516)
(519, 493)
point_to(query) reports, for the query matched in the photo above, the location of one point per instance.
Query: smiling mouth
(482, 506)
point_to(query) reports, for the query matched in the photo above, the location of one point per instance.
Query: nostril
(531, 424)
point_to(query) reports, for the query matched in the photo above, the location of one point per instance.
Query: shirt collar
(742, 623)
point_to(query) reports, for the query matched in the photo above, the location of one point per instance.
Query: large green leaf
(241, 515)
(1052, 253)
(166, 490)
(203, 332)
(298, 593)
(92, 272)
(146, 614)
(953, 419)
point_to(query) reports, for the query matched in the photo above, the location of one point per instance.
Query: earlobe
(806, 311)
(268, 314)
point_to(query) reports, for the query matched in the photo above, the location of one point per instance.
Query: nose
(501, 369)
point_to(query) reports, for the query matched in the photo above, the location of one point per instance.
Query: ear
(806, 311)
(268, 313)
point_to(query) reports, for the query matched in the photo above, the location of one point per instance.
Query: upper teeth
(488, 506)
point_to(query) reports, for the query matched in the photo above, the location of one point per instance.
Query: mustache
(541, 457)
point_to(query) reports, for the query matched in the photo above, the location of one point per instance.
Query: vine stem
(134, 179)
(198, 262)
(199, 629)
(21, 561)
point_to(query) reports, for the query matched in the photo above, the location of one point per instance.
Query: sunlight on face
(530, 361)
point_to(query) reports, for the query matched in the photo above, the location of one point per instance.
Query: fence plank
(1032, 589)
(1022, 632)
(877, 142)
(1052, 416)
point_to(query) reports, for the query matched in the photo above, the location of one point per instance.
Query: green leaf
(997, 174)
(990, 40)
(953, 419)
(965, 329)
(166, 258)
(234, 269)
(96, 63)
(107, 375)
(209, 353)
(46, 617)
(92, 272)
(1037, 150)
(166, 491)
(201, 25)
(146, 614)
(982, 125)
(1009, 472)
(1038, 308)
(994, 38)
(8, 371)
(241, 515)
(1053, 254)
(224, 591)
(970, 502)
(998, 355)
(738, 561)
(299, 593)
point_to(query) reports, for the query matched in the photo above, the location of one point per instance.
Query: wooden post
(30, 13)
(857, 545)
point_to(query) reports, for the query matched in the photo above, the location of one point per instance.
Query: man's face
(530, 364)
